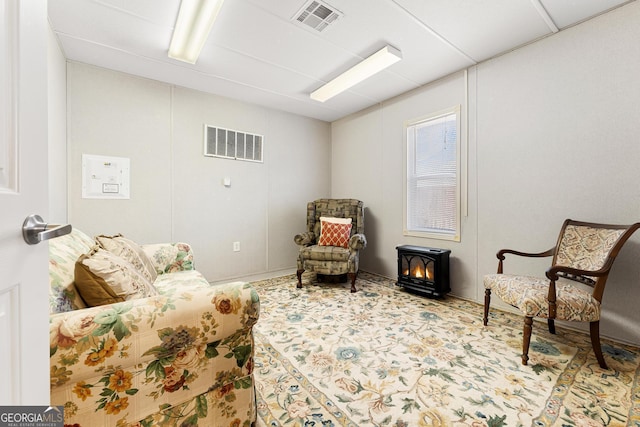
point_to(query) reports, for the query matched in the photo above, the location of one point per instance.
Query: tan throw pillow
(130, 251)
(102, 278)
(335, 232)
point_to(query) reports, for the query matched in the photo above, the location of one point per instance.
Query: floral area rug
(385, 357)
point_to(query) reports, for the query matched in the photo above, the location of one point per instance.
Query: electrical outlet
(236, 246)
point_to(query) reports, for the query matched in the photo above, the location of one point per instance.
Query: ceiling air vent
(317, 15)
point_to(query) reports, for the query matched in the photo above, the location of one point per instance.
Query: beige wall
(176, 192)
(552, 133)
(558, 125)
(368, 164)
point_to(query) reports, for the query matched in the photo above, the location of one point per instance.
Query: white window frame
(408, 145)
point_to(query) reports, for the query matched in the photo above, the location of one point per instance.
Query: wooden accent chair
(583, 254)
(332, 257)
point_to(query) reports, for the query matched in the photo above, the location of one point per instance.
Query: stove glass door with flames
(417, 267)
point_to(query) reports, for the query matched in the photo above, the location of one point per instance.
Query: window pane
(432, 203)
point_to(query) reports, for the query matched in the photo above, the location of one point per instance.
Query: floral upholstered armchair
(180, 354)
(335, 234)
(582, 258)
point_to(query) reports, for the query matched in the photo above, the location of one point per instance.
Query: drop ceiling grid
(284, 45)
(257, 54)
(481, 29)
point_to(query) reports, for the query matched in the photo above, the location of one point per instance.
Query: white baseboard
(256, 277)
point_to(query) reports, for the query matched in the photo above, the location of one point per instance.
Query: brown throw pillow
(102, 278)
(130, 251)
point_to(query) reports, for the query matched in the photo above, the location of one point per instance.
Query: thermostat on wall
(105, 177)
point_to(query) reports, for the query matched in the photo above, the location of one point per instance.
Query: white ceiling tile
(252, 31)
(159, 12)
(110, 27)
(480, 28)
(364, 30)
(569, 12)
(233, 66)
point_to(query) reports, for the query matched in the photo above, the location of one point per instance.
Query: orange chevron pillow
(335, 232)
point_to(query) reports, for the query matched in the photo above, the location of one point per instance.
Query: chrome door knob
(35, 230)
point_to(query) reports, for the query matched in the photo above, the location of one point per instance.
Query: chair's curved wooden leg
(299, 273)
(487, 302)
(352, 277)
(526, 339)
(594, 332)
(552, 326)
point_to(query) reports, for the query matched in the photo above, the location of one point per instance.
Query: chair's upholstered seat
(529, 295)
(584, 254)
(325, 253)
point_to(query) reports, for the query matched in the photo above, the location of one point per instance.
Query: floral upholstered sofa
(177, 353)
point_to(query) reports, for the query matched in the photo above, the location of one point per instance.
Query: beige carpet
(384, 357)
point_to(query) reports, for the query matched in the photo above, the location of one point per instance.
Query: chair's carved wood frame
(554, 272)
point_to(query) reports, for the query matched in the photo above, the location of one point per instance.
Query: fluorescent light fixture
(195, 20)
(368, 67)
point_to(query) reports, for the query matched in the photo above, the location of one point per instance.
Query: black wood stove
(424, 270)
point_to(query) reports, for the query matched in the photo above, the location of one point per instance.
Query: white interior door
(24, 349)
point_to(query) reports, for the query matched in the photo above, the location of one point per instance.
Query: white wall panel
(114, 114)
(557, 138)
(177, 194)
(552, 134)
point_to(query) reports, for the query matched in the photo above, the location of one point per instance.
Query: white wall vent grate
(317, 15)
(232, 144)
